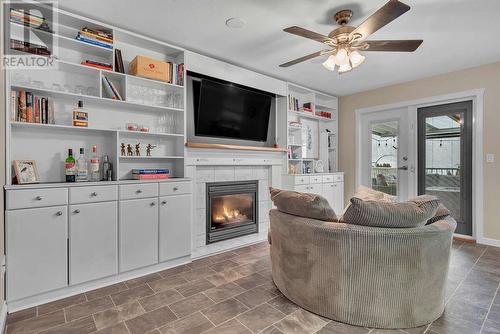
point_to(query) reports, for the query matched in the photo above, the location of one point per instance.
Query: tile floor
(233, 293)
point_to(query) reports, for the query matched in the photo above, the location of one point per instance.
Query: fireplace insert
(232, 209)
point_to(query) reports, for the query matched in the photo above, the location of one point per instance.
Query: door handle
(76, 211)
(403, 168)
(153, 204)
(163, 202)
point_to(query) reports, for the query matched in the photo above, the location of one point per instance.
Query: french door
(445, 158)
(384, 163)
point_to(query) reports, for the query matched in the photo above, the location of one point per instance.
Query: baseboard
(68, 291)
(3, 317)
(464, 238)
(489, 242)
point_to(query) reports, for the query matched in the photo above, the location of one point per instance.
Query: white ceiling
(457, 34)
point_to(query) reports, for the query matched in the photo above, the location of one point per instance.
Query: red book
(97, 66)
(150, 176)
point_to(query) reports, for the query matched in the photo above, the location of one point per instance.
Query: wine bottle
(70, 167)
(81, 167)
(94, 173)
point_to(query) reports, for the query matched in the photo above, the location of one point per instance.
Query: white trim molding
(477, 97)
(3, 317)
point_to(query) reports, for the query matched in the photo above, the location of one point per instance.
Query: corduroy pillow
(441, 213)
(368, 194)
(412, 213)
(302, 204)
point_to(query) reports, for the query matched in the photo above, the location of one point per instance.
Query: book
(95, 39)
(100, 33)
(89, 41)
(29, 107)
(150, 176)
(102, 67)
(50, 111)
(116, 93)
(119, 61)
(13, 105)
(95, 36)
(36, 112)
(107, 88)
(43, 115)
(150, 171)
(22, 106)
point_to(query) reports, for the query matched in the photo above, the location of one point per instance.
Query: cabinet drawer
(315, 179)
(327, 178)
(338, 177)
(131, 191)
(34, 198)
(93, 194)
(301, 179)
(175, 188)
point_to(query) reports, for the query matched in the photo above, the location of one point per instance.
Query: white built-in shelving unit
(68, 81)
(299, 161)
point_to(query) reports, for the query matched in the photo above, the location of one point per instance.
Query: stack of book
(28, 107)
(26, 18)
(96, 37)
(110, 89)
(96, 64)
(28, 47)
(150, 174)
(293, 103)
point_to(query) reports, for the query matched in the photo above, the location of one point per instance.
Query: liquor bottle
(70, 167)
(94, 173)
(81, 167)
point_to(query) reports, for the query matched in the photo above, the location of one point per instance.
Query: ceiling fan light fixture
(356, 58)
(329, 63)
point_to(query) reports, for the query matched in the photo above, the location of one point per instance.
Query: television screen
(223, 109)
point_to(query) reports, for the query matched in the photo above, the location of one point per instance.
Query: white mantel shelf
(232, 162)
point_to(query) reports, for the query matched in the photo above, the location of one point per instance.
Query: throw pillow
(302, 204)
(412, 213)
(441, 213)
(368, 194)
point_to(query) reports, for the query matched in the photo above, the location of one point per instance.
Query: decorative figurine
(123, 148)
(138, 149)
(149, 148)
(129, 150)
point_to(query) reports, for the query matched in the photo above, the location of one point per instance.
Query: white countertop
(83, 184)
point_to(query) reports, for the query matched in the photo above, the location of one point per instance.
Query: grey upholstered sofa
(361, 275)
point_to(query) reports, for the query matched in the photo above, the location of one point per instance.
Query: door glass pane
(443, 160)
(384, 168)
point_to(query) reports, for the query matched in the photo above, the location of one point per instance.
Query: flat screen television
(226, 110)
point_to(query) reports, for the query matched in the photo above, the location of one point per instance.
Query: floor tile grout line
(489, 308)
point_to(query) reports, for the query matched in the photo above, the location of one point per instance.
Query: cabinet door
(138, 233)
(175, 227)
(315, 189)
(303, 188)
(338, 197)
(328, 193)
(36, 247)
(93, 241)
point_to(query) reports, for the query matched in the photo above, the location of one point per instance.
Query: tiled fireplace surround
(202, 170)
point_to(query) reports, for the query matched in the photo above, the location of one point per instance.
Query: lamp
(345, 68)
(356, 58)
(329, 63)
(341, 57)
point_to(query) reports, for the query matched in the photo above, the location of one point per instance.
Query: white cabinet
(138, 233)
(93, 242)
(175, 227)
(36, 250)
(330, 186)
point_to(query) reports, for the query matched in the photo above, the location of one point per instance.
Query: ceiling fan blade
(310, 56)
(308, 34)
(409, 45)
(387, 13)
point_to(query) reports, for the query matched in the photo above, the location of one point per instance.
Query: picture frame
(26, 171)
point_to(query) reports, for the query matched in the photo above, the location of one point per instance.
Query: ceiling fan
(345, 42)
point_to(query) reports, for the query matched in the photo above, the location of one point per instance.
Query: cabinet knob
(153, 204)
(175, 189)
(93, 194)
(59, 213)
(163, 202)
(38, 198)
(76, 211)
(138, 191)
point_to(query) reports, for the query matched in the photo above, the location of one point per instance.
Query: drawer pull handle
(76, 211)
(163, 202)
(93, 194)
(138, 191)
(175, 189)
(153, 204)
(59, 213)
(39, 198)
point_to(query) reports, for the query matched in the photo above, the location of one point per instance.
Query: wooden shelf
(235, 147)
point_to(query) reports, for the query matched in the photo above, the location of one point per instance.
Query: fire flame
(227, 215)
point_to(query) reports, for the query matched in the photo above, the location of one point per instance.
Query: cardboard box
(150, 68)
